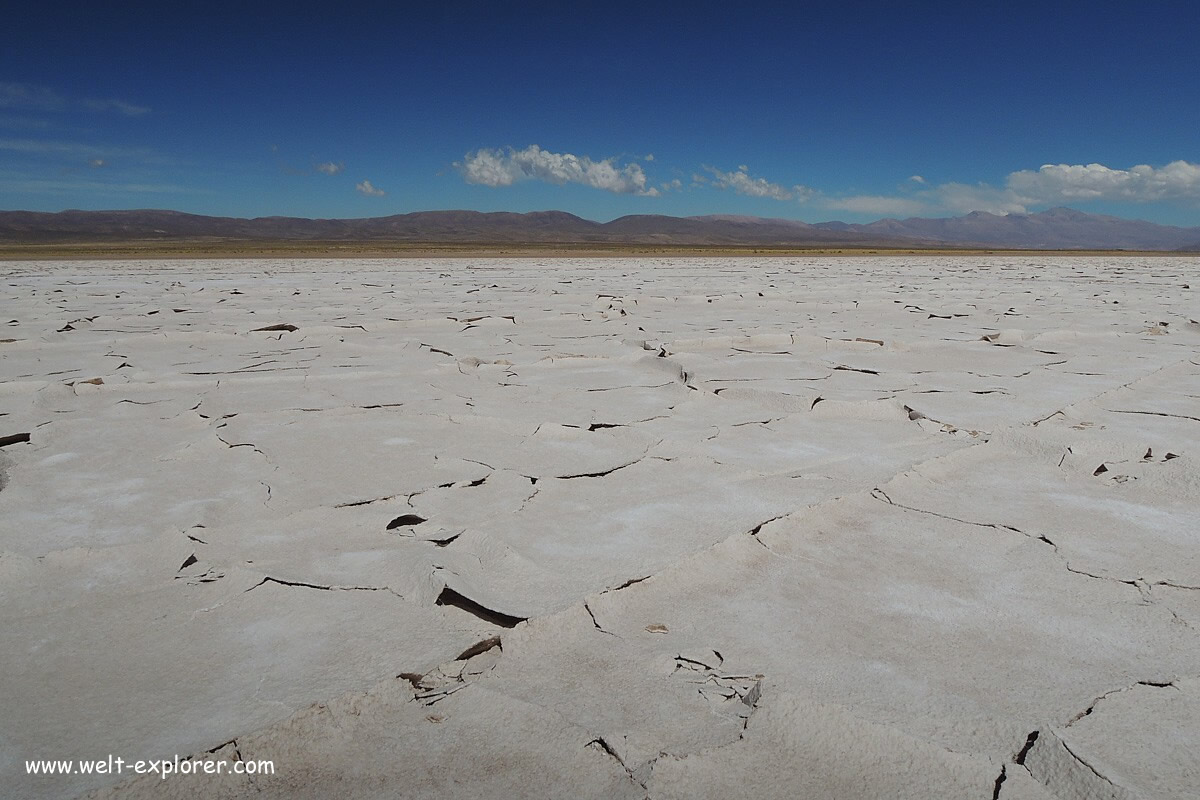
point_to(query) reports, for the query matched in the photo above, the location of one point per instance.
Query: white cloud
(649, 156)
(945, 198)
(329, 167)
(504, 168)
(916, 179)
(961, 198)
(1054, 183)
(671, 185)
(96, 163)
(741, 182)
(804, 193)
(366, 188)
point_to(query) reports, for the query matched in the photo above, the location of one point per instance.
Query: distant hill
(1058, 228)
(1055, 229)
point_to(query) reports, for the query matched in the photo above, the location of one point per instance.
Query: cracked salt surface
(905, 527)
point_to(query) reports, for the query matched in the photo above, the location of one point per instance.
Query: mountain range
(1057, 229)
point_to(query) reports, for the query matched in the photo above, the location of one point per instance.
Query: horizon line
(723, 216)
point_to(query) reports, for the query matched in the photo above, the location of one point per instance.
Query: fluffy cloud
(366, 188)
(1053, 183)
(740, 181)
(329, 167)
(504, 168)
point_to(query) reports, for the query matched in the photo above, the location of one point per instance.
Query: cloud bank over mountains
(1142, 183)
(1049, 185)
(1023, 190)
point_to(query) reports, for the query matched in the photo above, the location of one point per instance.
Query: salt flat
(905, 527)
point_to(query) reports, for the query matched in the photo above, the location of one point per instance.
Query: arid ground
(825, 527)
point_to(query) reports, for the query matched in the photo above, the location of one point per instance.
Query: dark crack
(354, 503)
(1023, 753)
(1051, 415)
(1176, 585)
(757, 529)
(449, 597)
(881, 495)
(320, 587)
(239, 444)
(1090, 768)
(600, 744)
(1088, 711)
(999, 782)
(482, 646)
(595, 622)
(444, 542)
(405, 521)
(599, 474)
(629, 583)
(1136, 583)
(1153, 414)
(232, 742)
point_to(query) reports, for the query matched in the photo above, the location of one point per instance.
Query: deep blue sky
(833, 109)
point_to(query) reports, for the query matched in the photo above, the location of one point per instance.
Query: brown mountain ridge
(1058, 228)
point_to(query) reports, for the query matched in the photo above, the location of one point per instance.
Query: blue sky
(804, 111)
